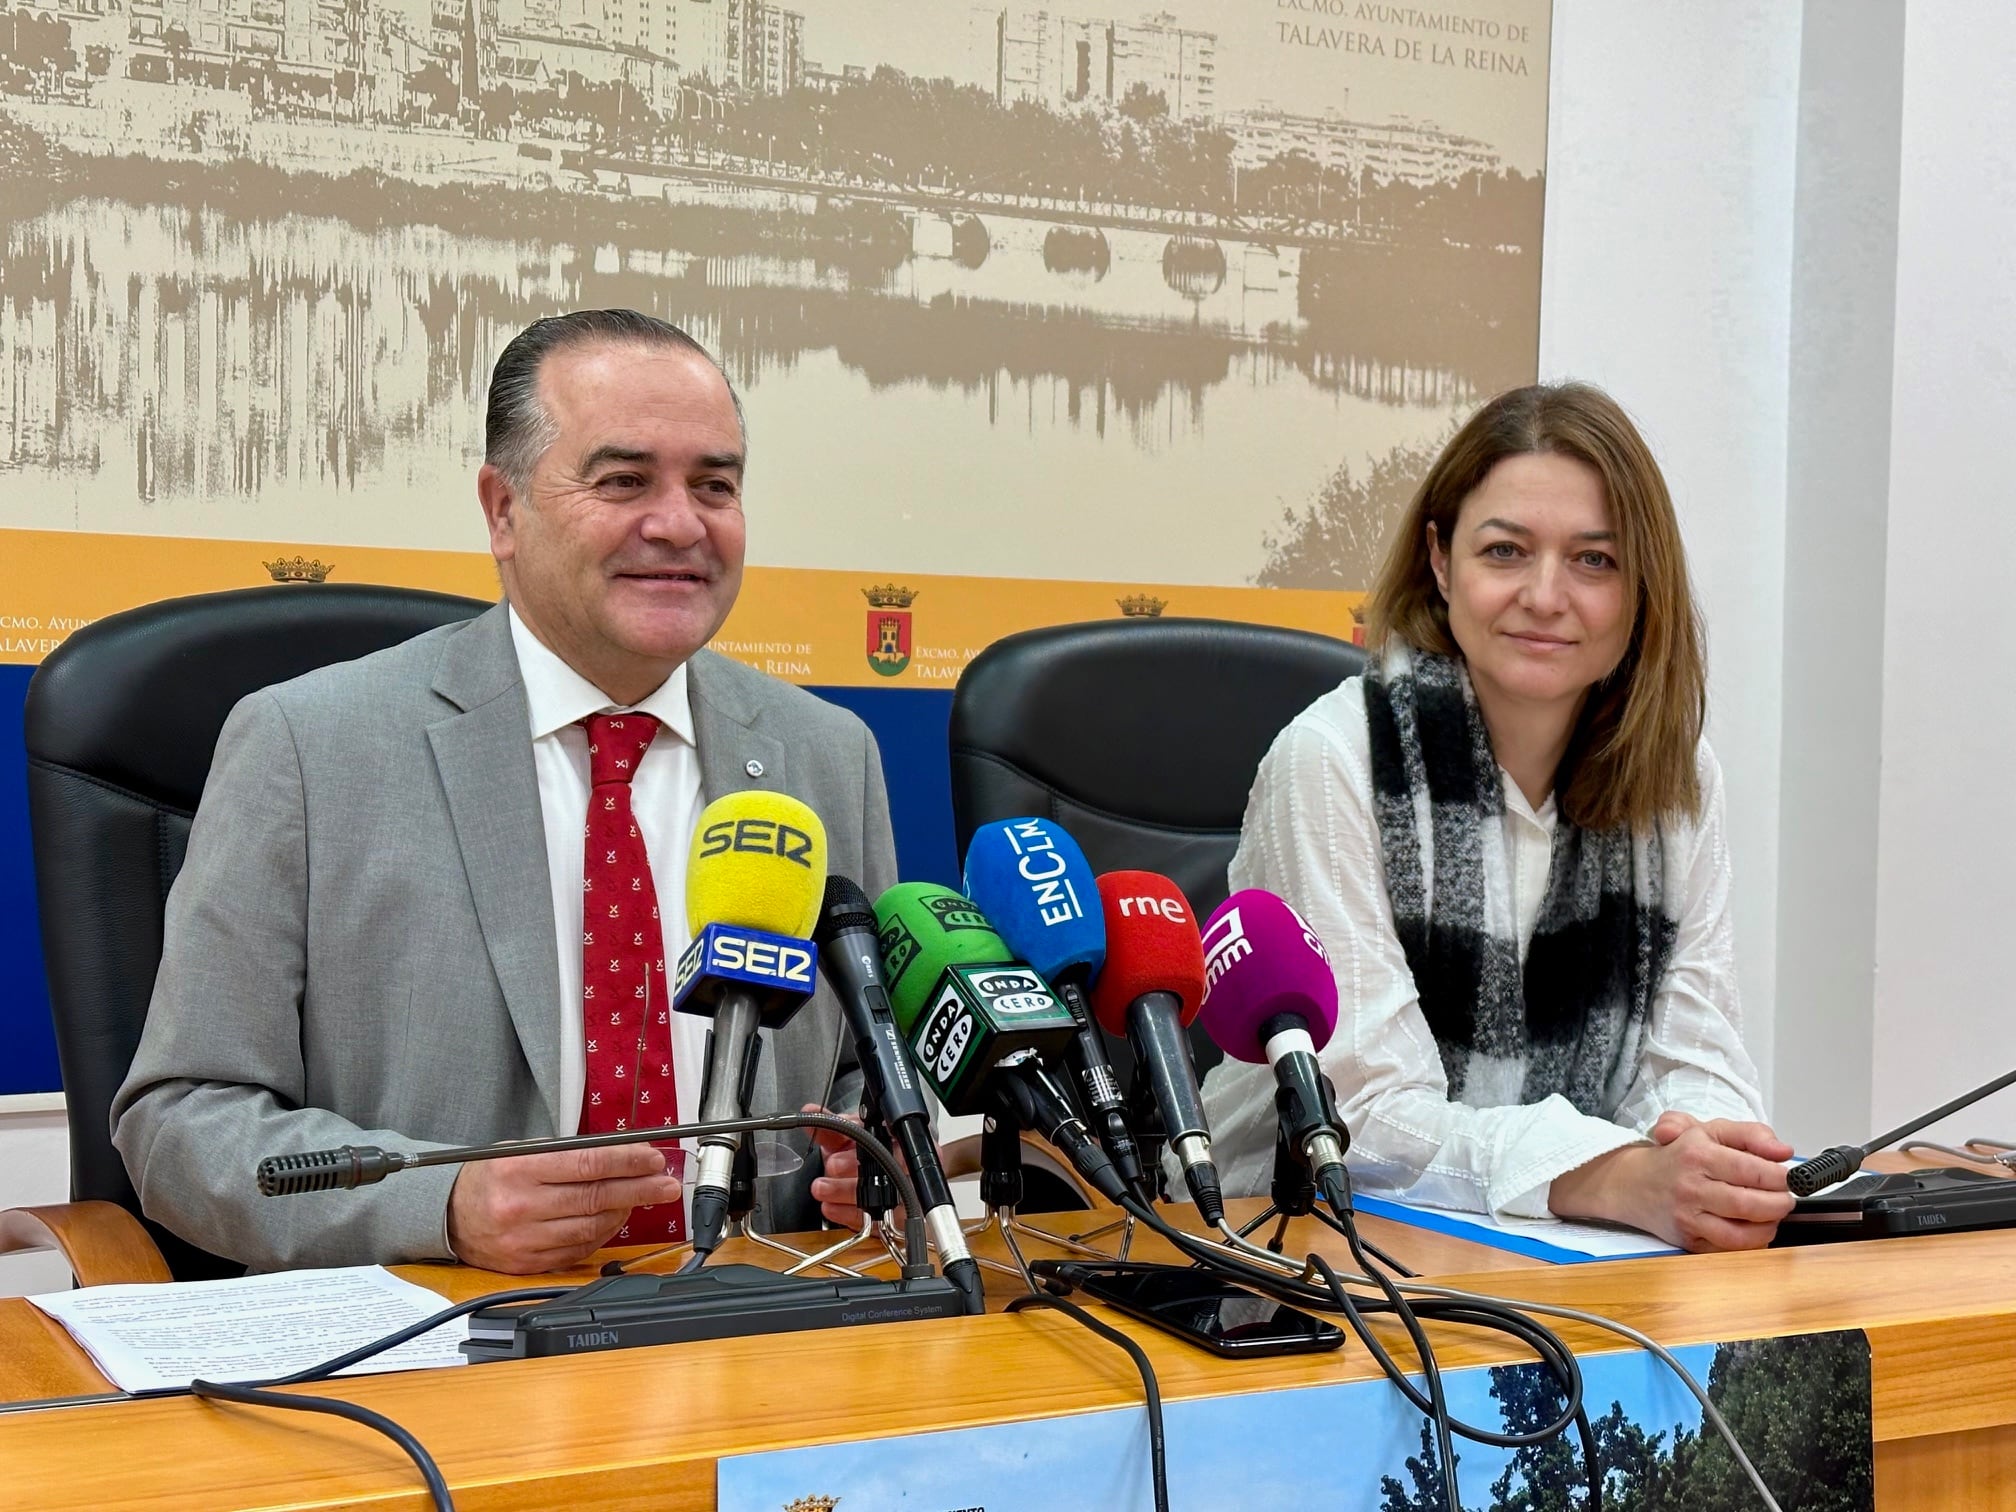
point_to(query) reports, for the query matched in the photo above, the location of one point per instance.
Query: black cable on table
(427, 1324)
(1157, 1460)
(259, 1394)
(253, 1396)
(1333, 1297)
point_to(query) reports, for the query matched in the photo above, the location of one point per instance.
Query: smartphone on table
(1205, 1309)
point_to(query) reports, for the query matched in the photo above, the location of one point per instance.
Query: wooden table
(643, 1427)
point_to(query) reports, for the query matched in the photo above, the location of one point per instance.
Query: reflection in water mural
(1161, 301)
(179, 370)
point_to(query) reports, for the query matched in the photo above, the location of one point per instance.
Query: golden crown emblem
(889, 596)
(813, 1504)
(1142, 605)
(299, 569)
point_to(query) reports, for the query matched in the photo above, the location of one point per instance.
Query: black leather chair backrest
(121, 721)
(1140, 737)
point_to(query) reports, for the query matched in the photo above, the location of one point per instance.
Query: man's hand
(529, 1213)
(835, 1189)
(1702, 1186)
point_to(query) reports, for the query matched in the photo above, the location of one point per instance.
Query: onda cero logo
(1014, 992)
(899, 948)
(762, 837)
(944, 1034)
(954, 912)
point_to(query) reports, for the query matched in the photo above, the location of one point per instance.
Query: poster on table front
(1040, 312)
(1800, 1406)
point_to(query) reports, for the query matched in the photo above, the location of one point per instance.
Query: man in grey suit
(369, 942)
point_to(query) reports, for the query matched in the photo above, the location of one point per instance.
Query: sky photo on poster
(1181, 294)
(1799, 1404)
(1320, 1446)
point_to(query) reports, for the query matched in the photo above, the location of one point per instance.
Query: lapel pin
(753, 767)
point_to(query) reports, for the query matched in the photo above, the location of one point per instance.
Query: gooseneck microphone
(754, 881)
(852, 956)
(364, 1165)
(981, 1024)
(1031, 880)
(1270, 996)
(1148, 993)
(1843, 1161)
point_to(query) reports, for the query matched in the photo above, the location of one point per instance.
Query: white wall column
(1844, 281)
(1667, 279)
(1945, 1001)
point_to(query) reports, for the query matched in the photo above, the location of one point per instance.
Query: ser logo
(761, 837)
(688, 968)
(776, 961)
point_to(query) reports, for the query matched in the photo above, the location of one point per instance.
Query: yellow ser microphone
(754, 881)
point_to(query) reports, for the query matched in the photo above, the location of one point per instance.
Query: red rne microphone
(1148, 991)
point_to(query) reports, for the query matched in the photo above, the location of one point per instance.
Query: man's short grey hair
(516, 426)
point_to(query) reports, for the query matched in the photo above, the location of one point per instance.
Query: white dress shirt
(1310, 835)
(664, 796)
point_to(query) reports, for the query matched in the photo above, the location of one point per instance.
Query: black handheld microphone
(851, 953)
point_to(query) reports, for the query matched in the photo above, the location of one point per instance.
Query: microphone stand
(1145, 1116)
(1290, 1195)
(875, 1196)
(742, 1202)
(1002, 1190)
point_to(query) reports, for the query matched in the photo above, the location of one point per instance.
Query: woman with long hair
(1509, 833)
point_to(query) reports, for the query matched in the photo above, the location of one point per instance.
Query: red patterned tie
(625, 1006)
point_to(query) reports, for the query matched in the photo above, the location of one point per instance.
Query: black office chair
(1140, 737)
(121, 722)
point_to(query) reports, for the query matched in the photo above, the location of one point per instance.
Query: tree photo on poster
(1799, 1406)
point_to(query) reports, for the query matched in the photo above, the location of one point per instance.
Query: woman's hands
(1716, 1185)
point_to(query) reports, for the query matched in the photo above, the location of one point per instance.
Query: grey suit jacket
(360, 947)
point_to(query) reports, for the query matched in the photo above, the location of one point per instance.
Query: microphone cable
(252, 1396)
(1453, 1305)
(1468, 1310)
(1651, 1346)
(1158, 1465)
(262, 1394)
(1472, 1311)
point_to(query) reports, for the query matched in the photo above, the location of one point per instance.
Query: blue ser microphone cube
(780, 972)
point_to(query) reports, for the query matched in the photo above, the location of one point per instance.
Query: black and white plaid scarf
(1573, 1020)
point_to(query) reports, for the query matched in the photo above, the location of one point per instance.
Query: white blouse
(1311, 836)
